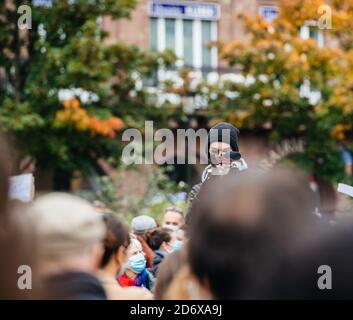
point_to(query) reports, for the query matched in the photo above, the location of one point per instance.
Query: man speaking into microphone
(224, 158)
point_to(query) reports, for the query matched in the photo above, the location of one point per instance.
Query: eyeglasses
(217, 151)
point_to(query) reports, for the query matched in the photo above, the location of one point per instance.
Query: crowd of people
(247, 234)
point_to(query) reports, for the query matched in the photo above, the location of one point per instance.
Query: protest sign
(22, 187)
(345, 189)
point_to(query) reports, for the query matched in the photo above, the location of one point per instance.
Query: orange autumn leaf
(75, 115)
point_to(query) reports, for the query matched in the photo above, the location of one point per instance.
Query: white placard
(346, 189)
(22, 187)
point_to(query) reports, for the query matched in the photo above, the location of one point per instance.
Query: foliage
(74, 115)
(288, 85)
(64, 92)
(159, 194)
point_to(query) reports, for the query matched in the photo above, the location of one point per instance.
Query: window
(153, 37)
(206, 38)
(188, 38)
(170, 34)
(311, 30)
(188, 42)
(186, 28)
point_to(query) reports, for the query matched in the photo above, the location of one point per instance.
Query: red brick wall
(136, 30)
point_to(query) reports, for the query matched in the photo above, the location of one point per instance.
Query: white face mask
(171, 227)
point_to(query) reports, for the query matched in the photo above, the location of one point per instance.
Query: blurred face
(172, 220)
(218, 150)
(134, 251)
(180, 235)
(96, 254)
(137, 260)
(121, 257)
(169, 246)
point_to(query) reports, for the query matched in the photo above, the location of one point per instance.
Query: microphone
(235, 155)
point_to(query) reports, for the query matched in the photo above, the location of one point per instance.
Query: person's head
(222, 140)
(180, 238)
(169, 267)
(181, 234)
(116, 243)
(173, 218)
(162, 239)
(142, 224)
(101, 207)
(317, 269)
(4, 175)
(246, 222)
(17, 239)
(70, 233)
(137, 261)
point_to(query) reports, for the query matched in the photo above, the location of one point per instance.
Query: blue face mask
(171, 227)
(137, 263)
(177, 245)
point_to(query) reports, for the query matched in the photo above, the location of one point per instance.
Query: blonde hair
(134, 244)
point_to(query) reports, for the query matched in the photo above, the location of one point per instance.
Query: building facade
(187, 27)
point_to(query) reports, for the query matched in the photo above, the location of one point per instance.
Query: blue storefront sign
(43, 3)
(184, 10)
(268, 13)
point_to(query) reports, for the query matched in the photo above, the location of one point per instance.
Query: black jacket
(74, 286)
(157, 259)
(207, 176)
